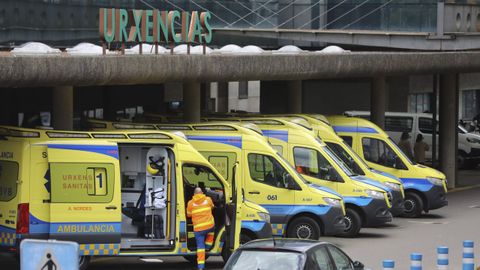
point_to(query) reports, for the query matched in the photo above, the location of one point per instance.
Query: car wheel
(83, 262)
(245, 238)
(304, 228)
(413, 206)
(353, 223)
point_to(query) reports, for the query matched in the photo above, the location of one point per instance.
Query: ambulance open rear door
(85, 201)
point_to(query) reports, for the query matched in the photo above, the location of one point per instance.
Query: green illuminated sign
(154, 26)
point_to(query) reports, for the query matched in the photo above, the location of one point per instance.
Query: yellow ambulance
(115, 193)
(322, 128)
(297, 208)
(367, 202)
(425, 188)
(255, 218)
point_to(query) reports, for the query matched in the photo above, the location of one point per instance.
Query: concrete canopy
(85, 70)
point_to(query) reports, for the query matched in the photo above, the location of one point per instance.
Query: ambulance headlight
(392, 186)
(333, 202)
(264, 216)
(375, 194)
(435, 181)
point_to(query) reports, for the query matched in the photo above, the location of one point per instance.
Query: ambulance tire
(84, 262)
(304, 228)
(354, 223)
(413, 205)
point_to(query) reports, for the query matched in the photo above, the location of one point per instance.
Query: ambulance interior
(147, 215)
(195, 175)
(149, 197)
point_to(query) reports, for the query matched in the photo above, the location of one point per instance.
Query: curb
(463, 188)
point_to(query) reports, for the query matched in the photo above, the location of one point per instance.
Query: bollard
(468, 257)
(388, 264)
(442, 258)
(416, 261)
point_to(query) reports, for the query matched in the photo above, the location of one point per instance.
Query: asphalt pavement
(448, 226)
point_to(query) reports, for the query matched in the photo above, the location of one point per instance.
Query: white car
(422, 123)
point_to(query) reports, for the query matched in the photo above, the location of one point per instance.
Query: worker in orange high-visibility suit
(199, 208)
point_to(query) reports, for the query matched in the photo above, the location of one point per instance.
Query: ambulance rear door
(85, 201)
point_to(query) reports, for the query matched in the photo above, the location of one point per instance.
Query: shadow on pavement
(371, 235)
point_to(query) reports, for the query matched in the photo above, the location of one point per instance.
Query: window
(425, 125)
(420, 103)
(348, 140)
(322, 260)
(8, 180)
(200, 176)
(223, 162)
(311, 163)
(379, 152)
(278, 148)
(267, 170)
(243, 90)
(345, 157)
(399, 124)
(340, 259)
(470, 103)
(82, 182)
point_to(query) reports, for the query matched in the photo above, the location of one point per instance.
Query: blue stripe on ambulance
(254, 226)
(108, 150)
(276, 134)
(230, 140)
(358, 200)
(420, 184)
(280, 213)
(354, 129)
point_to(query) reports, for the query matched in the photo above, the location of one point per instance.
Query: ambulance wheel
(304, 228)
(353, 223)
(83, 262)
(413, 205)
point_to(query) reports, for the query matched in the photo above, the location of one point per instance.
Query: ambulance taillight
(23, 218)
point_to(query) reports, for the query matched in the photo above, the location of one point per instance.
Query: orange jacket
(199, 208)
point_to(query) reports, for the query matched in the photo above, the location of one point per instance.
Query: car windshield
(260, 260)
(398, 150)
(338, 161)
(346, 157)
(462, 129)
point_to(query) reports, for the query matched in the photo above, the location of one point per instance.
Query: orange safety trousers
(204, 241)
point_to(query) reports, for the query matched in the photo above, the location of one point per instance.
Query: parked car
(291, 254)
(422, 123)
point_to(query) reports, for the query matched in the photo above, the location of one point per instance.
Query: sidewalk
(468, 178)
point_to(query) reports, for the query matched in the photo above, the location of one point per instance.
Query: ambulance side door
(266, 185)
(85, 199)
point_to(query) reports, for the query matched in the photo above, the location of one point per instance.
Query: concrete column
(295, 96)
(448, 116)
(191, 102)
(378, 101)
(222, 97)
(63, 107)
